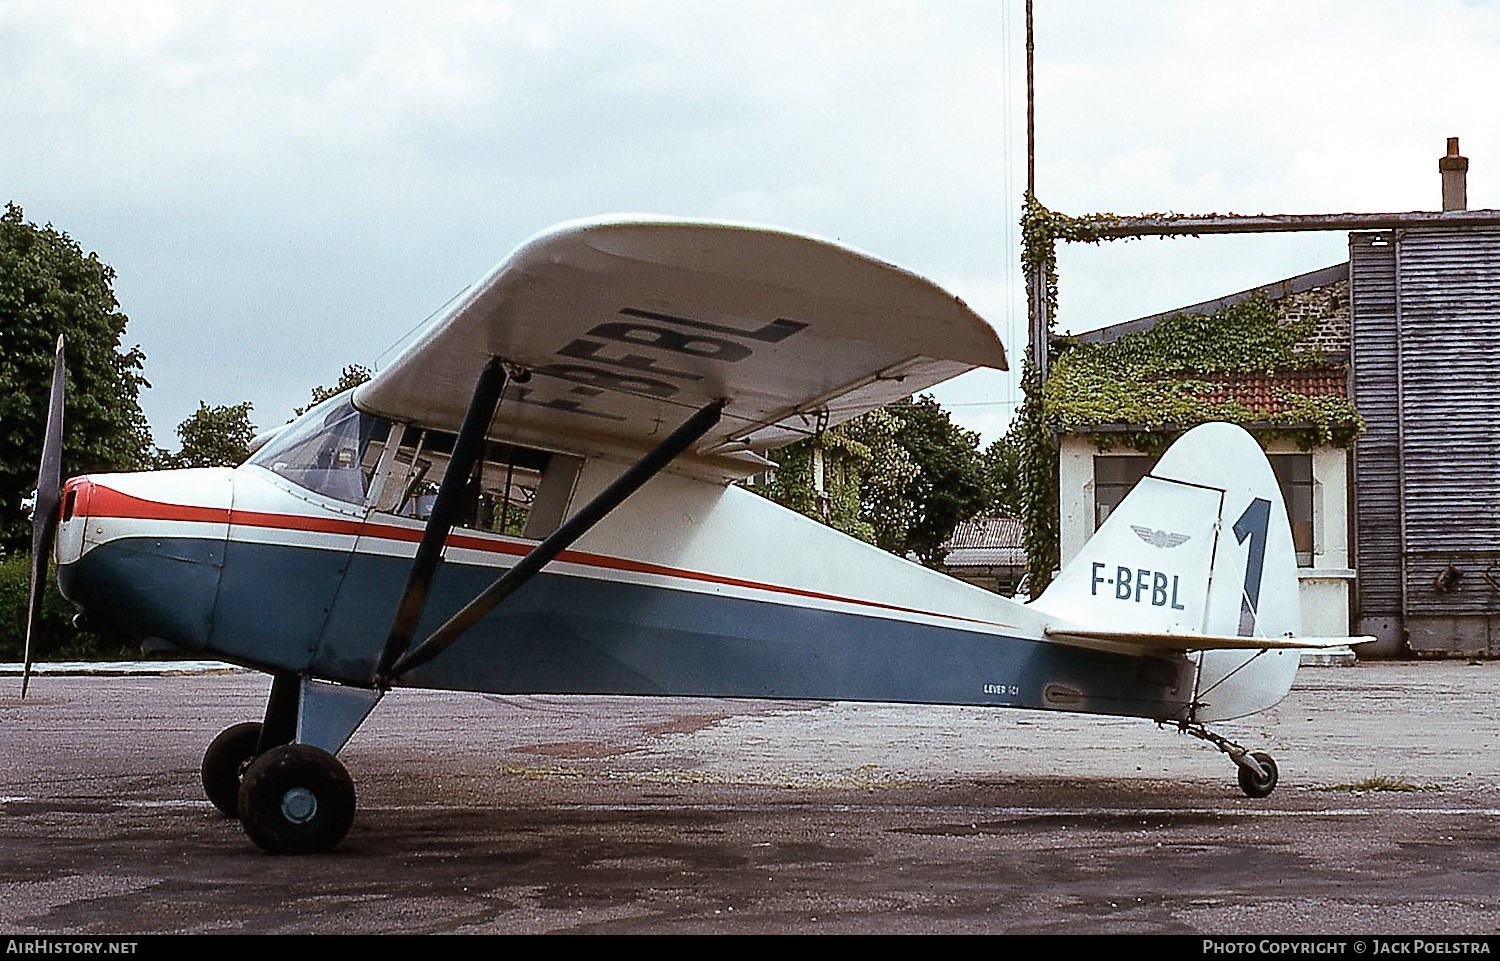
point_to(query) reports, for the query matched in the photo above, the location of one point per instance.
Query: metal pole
(1036, 281)
(1030, 107)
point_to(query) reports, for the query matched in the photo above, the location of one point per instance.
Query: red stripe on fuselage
(105, 502)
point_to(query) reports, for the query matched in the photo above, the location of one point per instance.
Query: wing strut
(467, 447)
(573, 528)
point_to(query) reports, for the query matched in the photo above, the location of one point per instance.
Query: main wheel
(225, 761)
(1254, 786)
(296, 799)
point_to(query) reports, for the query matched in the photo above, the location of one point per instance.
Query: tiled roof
(1259, 391)
(986, 542)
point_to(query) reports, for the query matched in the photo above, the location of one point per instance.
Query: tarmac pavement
(482, 814)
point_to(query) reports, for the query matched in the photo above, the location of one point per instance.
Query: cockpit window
(336, 451)
(331, 450)
(513, 490)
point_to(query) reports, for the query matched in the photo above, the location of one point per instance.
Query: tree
(1002, 476)
(213, 437)
(947, 487)
(821, 477)
(352, 376)
(914, 472)
(48, 286)
(888, 473)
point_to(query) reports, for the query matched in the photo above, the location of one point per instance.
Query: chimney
(1455, 171)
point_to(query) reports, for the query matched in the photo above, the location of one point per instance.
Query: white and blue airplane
(539, 496)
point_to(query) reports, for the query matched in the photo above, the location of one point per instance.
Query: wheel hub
(299, 805)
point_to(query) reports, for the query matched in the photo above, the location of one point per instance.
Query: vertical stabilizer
(1200, 546)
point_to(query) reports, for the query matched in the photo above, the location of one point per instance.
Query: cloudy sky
(285, 188)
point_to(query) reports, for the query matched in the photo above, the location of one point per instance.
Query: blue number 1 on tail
(1254, 524)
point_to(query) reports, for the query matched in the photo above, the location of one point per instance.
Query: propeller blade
(44, 514)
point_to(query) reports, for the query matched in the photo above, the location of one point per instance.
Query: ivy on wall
(1152, 382)
(1041, 229)
(1151, 385)
(844, 458)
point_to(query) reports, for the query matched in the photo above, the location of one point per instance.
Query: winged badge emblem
(1159, 538)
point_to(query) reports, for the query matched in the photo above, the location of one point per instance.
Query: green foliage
(1152, 384)
(1041, 229)
(1153, 381)
(795, 486)
(58, 639)
(884, 503)
(1037, 442)
(48, 286)
(1002, 464)
(901, 477)
(1244, 337)
(213, 437)
(353, 375)
(949, 486)
(15, 587)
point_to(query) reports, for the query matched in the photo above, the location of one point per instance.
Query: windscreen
(331, 450)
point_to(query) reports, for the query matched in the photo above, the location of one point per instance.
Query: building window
(1116, 474)
(1114, 477)
(1295, 475)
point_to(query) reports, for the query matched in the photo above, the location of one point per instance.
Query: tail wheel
(225, 762)
(1256, 785)
(296, 799)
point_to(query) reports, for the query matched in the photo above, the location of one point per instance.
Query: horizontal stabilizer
(1154, 641)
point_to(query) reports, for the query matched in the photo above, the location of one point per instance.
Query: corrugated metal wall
(1377, 497)
(1426, 358)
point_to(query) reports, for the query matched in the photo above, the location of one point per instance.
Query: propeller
(44, 511)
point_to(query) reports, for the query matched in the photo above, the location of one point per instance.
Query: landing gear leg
(280, 776)
(1257, 769)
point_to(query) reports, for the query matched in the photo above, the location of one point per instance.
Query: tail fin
(1201, 546)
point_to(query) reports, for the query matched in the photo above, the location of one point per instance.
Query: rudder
(1201, 545)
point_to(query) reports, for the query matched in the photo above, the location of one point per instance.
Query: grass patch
(867, 776)
(1384, 782)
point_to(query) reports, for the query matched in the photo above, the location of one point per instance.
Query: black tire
(1259, 786)
(224, 763)
(296, 799)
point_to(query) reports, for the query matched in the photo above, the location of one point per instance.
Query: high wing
(616, 330)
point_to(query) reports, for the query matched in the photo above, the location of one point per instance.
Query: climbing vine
(838, 505)
(1147, 387)
(1154, 383)
(1041, 229)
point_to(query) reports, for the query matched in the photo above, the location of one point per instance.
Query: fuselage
(691, 588)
